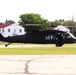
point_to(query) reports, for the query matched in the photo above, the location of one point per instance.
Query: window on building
(2, 30)
(20, 30)
(8, 30)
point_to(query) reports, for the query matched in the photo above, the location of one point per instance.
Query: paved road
(38, 65)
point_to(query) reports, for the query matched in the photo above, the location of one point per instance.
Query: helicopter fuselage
(42, 37)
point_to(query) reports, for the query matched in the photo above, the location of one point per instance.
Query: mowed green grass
(48, 50)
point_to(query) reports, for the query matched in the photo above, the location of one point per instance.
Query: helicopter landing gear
(7, 44)
(58, 44)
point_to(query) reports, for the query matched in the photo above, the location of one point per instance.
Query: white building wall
(14, 30)
(2, 31)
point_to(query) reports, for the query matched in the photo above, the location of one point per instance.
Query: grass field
(40, 50)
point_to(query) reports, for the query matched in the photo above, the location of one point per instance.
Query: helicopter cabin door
(59, 40)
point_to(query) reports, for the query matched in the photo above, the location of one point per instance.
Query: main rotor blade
(35, 25)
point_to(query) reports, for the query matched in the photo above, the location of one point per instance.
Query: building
(8, 30)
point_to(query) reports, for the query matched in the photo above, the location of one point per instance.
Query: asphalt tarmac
(38, 65)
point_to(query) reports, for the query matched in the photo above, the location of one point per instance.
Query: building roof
(4, 25)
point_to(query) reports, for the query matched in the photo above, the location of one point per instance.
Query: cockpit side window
(65, 36)
(68, 36)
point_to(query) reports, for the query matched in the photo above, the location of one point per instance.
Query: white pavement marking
(38, 65)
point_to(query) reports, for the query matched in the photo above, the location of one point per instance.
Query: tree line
(31, 18)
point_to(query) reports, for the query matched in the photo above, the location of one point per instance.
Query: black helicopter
(58, 36)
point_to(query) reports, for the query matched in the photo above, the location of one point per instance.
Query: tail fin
(1, 37)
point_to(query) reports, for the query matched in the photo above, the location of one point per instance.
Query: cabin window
(8, 30)
(48, 37)
(20, 30)
(53, 37)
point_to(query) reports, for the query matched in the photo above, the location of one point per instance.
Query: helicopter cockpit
(64, 29)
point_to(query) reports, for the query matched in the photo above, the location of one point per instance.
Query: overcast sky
(48, 9)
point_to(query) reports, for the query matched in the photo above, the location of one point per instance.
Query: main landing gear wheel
(58, 45)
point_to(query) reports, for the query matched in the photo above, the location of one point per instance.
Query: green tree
(9, 22)
(58, 22)
(69, 23)
(1, 23)
(31, 18)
